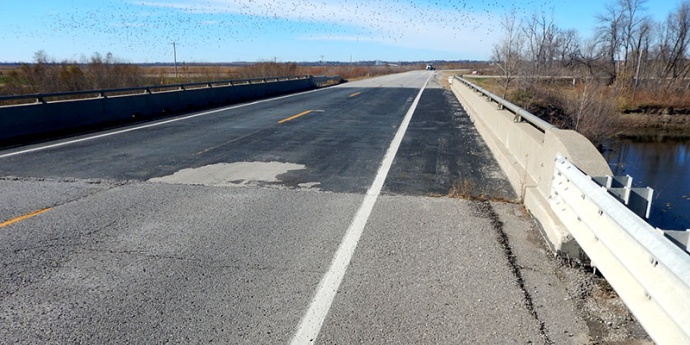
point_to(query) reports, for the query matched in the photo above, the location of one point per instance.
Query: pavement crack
(142, 254)
(111, 184)
(486, 210)
(64, 180)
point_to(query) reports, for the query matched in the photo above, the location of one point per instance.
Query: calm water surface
(664, 166)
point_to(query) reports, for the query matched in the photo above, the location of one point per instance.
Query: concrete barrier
(555, 172)
(45, 120)
(526, 154)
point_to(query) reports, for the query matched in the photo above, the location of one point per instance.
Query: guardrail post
(681, 238)
(638, 200)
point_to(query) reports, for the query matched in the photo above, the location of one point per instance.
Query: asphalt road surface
(351, 214)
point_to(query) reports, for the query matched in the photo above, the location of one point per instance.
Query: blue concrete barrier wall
(25, 123)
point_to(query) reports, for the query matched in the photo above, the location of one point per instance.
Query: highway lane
(352, 124)
(219, 227)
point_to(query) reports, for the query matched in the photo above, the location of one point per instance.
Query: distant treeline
(302, 63)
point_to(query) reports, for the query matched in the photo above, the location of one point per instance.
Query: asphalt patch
(443, 155)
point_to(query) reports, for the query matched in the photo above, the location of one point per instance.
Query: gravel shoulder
(576, 305)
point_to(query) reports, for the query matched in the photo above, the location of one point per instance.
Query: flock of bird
(153, 24)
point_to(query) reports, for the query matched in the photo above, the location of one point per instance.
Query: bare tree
(507, 54)
(609, 32)
(677, 42)
(590, 57)
(631, 23)
(641, 48)
(542, 37)
(568, 49)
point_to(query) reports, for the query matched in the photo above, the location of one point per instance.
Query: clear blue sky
(260, 30)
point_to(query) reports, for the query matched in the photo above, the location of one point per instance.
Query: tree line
(629, 46)
(631, 59)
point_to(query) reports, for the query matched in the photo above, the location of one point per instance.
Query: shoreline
(654, 127)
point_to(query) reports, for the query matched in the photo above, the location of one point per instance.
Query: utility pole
(175, 57)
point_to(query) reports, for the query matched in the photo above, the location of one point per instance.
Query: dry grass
(462, 190)
(590, 107)
(648, 97)
(57, 77)
(266, 69)
(468, 190)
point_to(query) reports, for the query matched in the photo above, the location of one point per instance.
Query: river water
(664, 166)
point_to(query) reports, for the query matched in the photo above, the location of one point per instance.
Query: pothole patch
(235, 174)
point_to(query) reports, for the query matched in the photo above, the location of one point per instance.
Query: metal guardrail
(648, 271)
(637, 199)
(520, 114)
(44, 97)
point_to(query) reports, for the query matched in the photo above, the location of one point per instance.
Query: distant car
(430, 67)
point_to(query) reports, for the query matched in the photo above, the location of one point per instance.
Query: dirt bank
(655, 126)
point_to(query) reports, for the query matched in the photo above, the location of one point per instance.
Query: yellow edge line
(355, 94)
(294, 117)
(26, 216)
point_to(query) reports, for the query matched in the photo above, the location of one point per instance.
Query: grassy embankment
(600, 112)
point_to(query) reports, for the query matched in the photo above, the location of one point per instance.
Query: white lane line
(69, 142)
(313, 319)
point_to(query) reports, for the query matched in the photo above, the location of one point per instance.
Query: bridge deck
(221, 226)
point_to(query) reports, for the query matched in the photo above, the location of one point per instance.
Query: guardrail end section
(649, 272)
